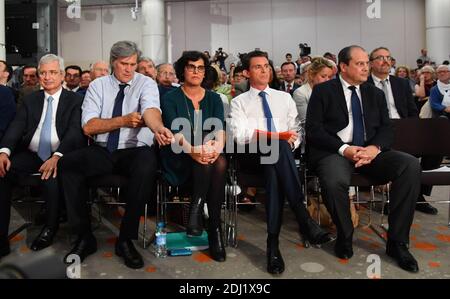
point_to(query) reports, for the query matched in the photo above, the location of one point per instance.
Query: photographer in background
(220, 57)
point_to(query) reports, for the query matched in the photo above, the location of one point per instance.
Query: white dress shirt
(247, 114)
(346, 134)
(34, 144)
(393, 113)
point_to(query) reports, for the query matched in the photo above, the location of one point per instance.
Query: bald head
(99, 69)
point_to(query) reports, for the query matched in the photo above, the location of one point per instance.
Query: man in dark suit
(400, 104)
(7, 108)
(288, 70)
(348, 129)
(46, 127)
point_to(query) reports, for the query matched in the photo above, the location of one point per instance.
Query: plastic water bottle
(161, 240)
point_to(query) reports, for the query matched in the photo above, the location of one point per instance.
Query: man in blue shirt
(121, 114)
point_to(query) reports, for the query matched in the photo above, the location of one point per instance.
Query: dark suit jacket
(327, 114)
(283, 87)
(68, 122)
(7, 108)
(403, 98)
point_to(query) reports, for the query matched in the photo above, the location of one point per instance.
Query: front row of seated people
(122, 115)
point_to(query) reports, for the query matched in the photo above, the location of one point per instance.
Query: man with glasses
(46, 128)
(348, 129)
(121, 114)
(165, 78)
(72, 78)
(401, 104)
(271, 111)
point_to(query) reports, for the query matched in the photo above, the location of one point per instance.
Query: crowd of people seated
(138, 117)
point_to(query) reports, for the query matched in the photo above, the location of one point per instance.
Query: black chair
(430, 137)
(243, 178)
(26, 183)
(115, 183)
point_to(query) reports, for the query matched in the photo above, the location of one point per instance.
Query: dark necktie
(386, 95)
(288, 87)
(113, 138)
(358, 122)
(267, 113)
(45, 139)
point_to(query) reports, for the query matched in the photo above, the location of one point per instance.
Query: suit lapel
(365, 100)
(62, 105)
(395, 93)
(39, 105)
(341, 96)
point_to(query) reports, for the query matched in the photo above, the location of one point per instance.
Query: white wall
(85, 40)
(276, 26)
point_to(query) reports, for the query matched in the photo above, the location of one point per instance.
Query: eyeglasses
(192, 68)
(49, 73)
(260, 67)
(170, 74)
(383, 58)
(73, 75)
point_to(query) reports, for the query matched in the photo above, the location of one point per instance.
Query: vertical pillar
(154, 42)
(2, 31)
(438, 29)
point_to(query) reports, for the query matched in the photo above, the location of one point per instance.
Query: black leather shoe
(195, 227)
(426, 208)
(84, 246)
(343, 249)
(399, 251)
(4, 246)
(216, 246)
(130, 255)
(314, 234)
(275, 263)
(44, 239)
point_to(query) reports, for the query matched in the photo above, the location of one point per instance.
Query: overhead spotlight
(135, 11)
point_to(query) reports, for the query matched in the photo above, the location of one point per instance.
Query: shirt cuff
(6, 151)
(342, 149)
(58, 154)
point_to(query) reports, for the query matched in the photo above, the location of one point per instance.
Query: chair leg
(144, 237)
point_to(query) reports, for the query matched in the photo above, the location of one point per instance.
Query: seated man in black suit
(46, 127)
(401, 104)
(7, 108)
(347, 129)
(271, 110)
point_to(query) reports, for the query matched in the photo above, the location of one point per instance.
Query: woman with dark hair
(195, 116)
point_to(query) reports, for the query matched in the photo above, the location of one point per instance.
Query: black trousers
(23, 164)
(138, 164)
(402, 169)
(281, 181)
(208, 182)
(428, 163)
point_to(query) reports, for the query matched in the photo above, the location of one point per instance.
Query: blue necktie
(113, 138)
(45, 139)
(267, 113)
(358, 122)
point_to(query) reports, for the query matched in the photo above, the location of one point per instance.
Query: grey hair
(97, 62)
(443, 66)
(144, 58)
(50, 58)
(158, 68)
(123, 49)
